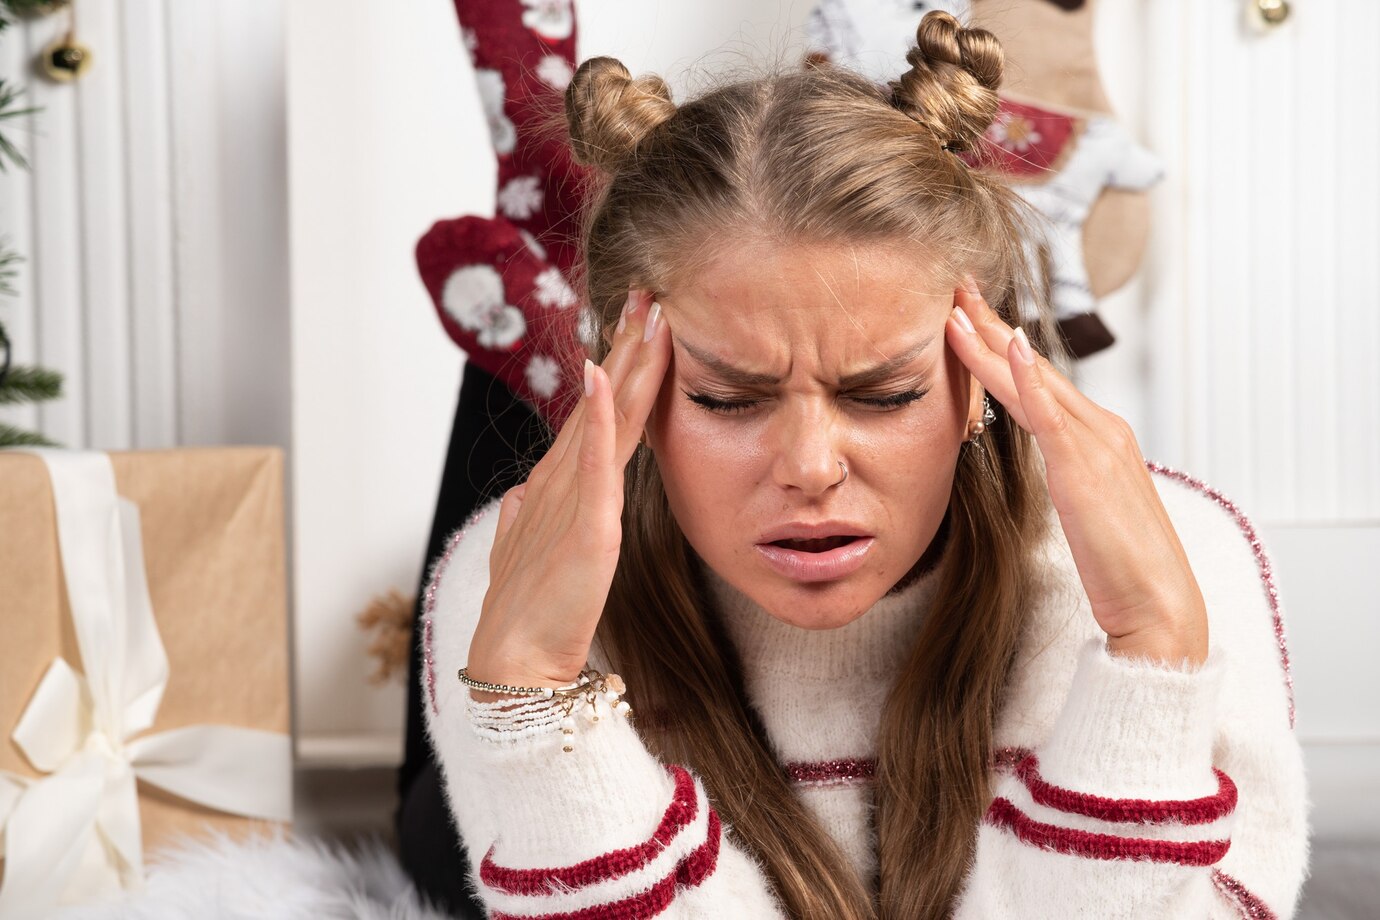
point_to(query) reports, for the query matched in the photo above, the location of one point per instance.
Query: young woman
(911, 627)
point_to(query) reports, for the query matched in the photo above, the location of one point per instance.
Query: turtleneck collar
(874, 645)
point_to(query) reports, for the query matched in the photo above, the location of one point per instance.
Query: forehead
(783, 307)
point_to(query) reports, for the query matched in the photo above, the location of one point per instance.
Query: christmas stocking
(1053, 137)
(500, 284)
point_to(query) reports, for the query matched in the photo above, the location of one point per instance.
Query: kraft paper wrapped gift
(182, 716)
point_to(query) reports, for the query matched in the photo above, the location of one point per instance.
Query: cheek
(692, 442)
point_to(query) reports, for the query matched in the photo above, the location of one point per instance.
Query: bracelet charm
(506, 719)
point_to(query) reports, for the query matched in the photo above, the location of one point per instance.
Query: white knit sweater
(1122, 789)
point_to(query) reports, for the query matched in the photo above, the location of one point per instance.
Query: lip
(798, 530)
(811, 567)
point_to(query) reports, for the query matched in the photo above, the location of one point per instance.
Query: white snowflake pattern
(492, 90)
(552, 291)
(543, 376)
(520, 198)
(473, 296)
(471, 40)
(537, 249)
(551, 19)
(1012, 132)
(555, 71)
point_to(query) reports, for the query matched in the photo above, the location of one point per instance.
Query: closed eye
(889, 401)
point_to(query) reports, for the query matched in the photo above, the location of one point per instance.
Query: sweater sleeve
(604, 830)
(1161, 792)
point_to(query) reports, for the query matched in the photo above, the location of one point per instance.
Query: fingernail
(589, 377)
(1023, 347)
(628, 306)
(652, 319)
(963, 320)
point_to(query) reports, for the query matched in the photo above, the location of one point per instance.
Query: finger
(997, 333)
(508, 509)
(570, 433)
(634, 400)
(993, 371)
(627, 341)
(600, 484)
(1055, 428)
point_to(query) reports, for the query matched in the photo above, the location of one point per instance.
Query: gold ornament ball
(65, 60)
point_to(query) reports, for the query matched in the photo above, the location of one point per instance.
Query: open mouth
(820, 545)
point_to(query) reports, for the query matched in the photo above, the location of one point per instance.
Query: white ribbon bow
(74, 833)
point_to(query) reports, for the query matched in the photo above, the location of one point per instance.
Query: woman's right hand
(559, 533)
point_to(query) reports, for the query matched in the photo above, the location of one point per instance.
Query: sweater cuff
(607, 793)
(1135, 728)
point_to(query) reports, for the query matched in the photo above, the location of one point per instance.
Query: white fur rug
(276, 877)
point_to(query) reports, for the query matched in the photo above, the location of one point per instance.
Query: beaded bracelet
(508, 719)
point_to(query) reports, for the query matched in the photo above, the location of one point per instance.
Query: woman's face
(786, 360)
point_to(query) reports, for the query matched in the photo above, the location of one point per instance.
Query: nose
(808, 450)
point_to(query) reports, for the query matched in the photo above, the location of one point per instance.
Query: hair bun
(609, 113)
(951, 87)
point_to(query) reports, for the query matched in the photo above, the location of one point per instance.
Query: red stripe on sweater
(1005, 815)
(1144, 811)
(1247, 904)
(682, 810)
(689, 872)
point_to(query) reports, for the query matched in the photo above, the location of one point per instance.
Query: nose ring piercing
(845, 474)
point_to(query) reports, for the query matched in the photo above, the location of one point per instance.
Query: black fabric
(493, 442)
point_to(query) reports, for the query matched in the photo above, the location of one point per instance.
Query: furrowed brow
(881, 372)
(740, 377)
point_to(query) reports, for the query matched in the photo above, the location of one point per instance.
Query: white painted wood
(1318, 192)
(1357, 270)
(198, 243)
(56, 246)
(153, 311)
(19, 313)
(103, 227)
(1267, 400)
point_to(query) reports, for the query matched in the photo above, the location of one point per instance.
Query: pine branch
(9, 270)
(30, 384)
(9, 110)
(11, 436)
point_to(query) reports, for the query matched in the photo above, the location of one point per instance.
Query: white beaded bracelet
(515, 718)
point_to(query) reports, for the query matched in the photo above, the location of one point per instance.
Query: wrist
(1164, 646)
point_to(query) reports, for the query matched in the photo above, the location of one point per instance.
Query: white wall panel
(1271, 138)
(104, 223)
(19, 313)
(152, 288)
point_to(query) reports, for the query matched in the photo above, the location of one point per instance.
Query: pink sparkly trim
(1267, 573)
(1006, 758)
(1246, 903)
(831, 772)
(429, 601)
(861, 769)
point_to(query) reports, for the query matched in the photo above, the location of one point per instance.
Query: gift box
(144, 671)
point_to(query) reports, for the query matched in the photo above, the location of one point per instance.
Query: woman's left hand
(1133, 567)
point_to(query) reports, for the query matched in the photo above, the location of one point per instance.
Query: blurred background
(217, 228)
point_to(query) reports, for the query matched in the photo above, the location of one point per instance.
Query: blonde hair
(821, 155)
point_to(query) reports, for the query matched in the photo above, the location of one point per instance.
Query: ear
(976, 393)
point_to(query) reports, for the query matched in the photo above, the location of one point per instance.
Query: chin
(820, 605)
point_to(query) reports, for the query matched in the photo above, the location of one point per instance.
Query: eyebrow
(739, 377)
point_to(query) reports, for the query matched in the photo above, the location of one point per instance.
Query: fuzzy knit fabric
(1121, 788)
